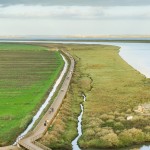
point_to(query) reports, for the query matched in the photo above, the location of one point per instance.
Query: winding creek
(46, 101)
(74, 143)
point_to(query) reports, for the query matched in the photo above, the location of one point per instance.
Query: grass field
(114, 90)
(27, 72)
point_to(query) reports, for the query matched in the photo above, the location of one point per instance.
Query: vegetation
(60, 133)
(27, 73)
(113, 89)
(21, 47)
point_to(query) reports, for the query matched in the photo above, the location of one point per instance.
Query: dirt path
(29, 141)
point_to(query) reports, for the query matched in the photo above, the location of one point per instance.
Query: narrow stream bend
(45, 103)
(74, 143)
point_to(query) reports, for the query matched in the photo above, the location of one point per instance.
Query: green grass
(27, 73)
(21, 47)
(113, 89)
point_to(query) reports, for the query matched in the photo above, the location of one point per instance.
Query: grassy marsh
(113, 89)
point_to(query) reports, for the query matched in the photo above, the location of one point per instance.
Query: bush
(104, 131)
(111, 140)
(147, 129)
(147, 137)
(131, 136)
(89, 132)
(121, 119)
(129, 111)
(109, 123)
(118, 126)
(104, 117)
(93, 123)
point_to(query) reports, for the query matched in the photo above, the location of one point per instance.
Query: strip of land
(29, 141)
(114, 91)
(27, 73)
(40, 129)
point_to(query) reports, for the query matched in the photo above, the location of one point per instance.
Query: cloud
(75, 12)
(78, 2)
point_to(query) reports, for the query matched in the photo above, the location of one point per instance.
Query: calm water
(138, 56)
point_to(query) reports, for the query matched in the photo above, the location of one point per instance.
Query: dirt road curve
(29, 141)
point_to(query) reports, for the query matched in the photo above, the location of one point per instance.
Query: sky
(74, 17)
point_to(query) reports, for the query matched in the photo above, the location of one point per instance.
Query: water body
(45, 103)
(79, 128)
(136, 55)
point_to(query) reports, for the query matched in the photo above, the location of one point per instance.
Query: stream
(74, 143)
(45, 103)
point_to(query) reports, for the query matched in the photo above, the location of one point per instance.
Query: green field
(21, 47)
(27, 72)
(114, 90)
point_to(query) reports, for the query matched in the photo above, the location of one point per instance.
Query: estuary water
(137, 55)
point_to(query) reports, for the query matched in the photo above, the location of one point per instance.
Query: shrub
(121, 119)
(109, 123)
(97, 129)
(89, 132)
(129, 111)
(105, 131)
(147, 129)
(111, 139)
(116, 113)
(131, 136)
(147, 137)
(104, 117)
(59, 128)
(118, 126)
(138, 122)
(93, 123)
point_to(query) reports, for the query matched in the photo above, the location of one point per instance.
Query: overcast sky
(74, 17)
